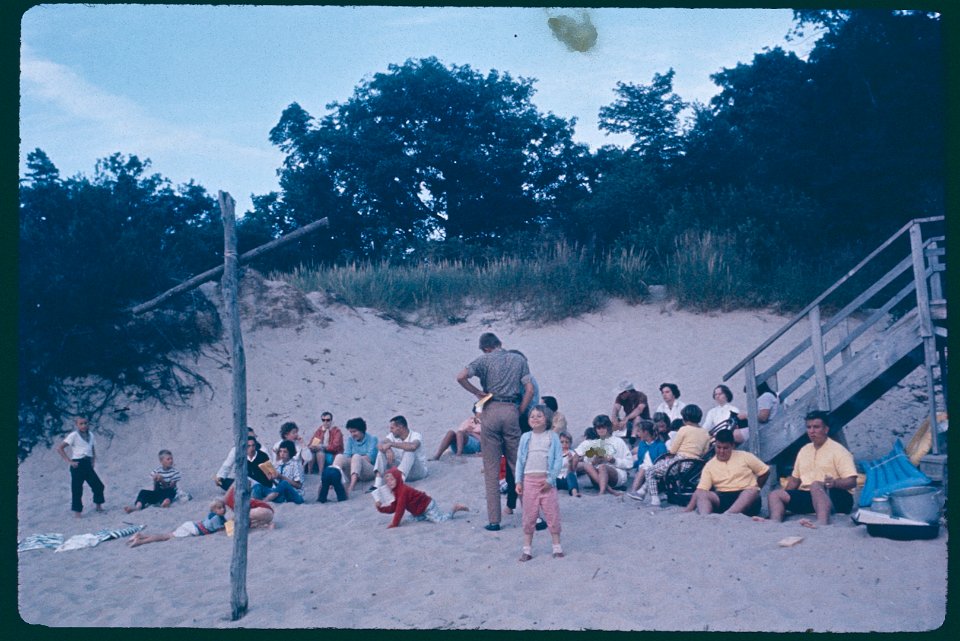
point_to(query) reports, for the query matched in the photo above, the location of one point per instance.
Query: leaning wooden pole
(210, 274)
(230, 286)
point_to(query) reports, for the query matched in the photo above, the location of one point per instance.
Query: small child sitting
(214, 522)
(164, 490)
(406, 498)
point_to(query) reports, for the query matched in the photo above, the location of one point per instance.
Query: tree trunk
(238, 564)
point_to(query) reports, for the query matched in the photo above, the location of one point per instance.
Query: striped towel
(106, 535)
(40, 541)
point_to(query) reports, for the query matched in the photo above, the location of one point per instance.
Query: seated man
(411, 462)
(731, 481)
(466, 440)
(609, 470)
(634, 405)
(823, 477)
(359, 454)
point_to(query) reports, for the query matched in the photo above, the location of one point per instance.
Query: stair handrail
(819, 299)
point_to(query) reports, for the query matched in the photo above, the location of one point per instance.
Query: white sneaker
(655, 500)
(635, 496)
(642, 490)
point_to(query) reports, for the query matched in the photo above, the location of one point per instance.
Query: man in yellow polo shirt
(823, 477)
(730, 482)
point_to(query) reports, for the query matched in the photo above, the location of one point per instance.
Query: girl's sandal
(558, 555)
(524, 557)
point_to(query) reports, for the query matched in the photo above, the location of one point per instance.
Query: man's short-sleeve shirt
(501, 373)
(738, 473)
(814, 464)
(629, 399)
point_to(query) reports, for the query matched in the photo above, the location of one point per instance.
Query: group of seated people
(626, 442)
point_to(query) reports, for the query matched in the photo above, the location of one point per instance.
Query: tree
(429, 151)
(649, 113)
(89, 248)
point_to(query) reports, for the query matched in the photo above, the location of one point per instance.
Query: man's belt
(506, 399)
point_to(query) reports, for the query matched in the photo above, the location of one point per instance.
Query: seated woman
(607, 459)
(649, 448)
(465, 440)
(288, 483)
(724, 415)
(768, 406)
(289, 431)
(559, 420)
(691, 441)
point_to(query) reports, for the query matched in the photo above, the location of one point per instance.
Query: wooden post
(230, 286)
(753, 422)
(926, 327)
(819, 366)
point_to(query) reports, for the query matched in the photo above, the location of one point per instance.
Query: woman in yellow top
(691, 441)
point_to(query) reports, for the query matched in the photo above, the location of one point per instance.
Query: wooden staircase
(858, 354)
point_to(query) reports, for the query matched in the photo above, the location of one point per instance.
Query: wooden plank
(230, 286)
(753, 422)
(819, 365)
(842, 315)
(210, 274)
(926, 324)
(867, 365)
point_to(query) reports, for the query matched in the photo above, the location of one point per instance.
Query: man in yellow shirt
(823, 477)
(730, 482)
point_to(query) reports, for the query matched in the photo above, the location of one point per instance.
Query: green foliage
(556, 282)
(89, 249)
(426, 151)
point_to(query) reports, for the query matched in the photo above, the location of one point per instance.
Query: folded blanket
(40, 541)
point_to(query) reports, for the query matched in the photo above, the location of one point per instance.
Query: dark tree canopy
(425, 150)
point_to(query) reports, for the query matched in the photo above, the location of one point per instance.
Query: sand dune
(664, 570)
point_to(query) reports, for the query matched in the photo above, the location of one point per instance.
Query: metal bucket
(917, 503)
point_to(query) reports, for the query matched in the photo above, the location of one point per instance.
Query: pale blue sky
(197, 88)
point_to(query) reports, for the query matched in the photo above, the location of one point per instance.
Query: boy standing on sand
(82, 460)
(164, 490)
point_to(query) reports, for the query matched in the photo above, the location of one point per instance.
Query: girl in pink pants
(539, 459)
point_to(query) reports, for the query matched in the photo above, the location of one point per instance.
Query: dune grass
(559, 281)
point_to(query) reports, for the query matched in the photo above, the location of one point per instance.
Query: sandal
(524, 557)
(558, 555)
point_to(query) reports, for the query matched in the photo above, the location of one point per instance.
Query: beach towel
(93, 539)
(79, 541)
(106, 535)
(40, 541)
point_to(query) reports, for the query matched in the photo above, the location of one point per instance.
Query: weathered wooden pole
(210, 274)
(230, 286)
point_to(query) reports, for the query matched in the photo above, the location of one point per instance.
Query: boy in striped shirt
(164, 489)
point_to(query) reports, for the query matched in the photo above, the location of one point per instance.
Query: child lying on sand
(419, 504)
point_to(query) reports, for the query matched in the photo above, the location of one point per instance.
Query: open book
(383, 494)
(478, 406)
(269, 470)
(315, 442)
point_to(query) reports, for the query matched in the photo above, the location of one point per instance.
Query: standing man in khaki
(502, 374)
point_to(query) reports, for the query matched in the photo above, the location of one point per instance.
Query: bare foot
(508, 510)
(166, 503)
(134, 540)
(614, 492)
(460, 507)
(808, 523)
(128, 509)
(758, 519)
(78, 515)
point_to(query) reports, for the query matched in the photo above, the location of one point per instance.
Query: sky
(196, 89)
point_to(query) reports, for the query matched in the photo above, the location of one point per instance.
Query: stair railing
(925, 262)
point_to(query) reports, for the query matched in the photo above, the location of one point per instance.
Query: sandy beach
(629, 566)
